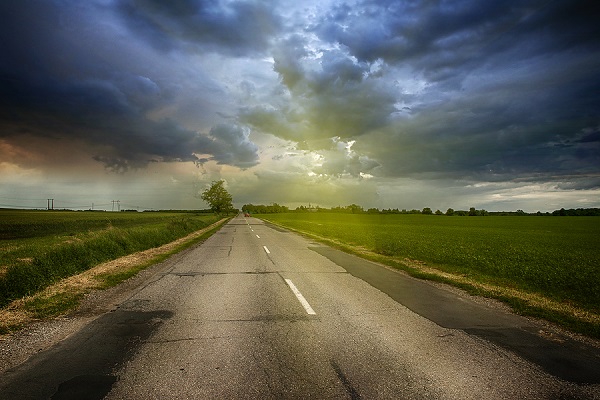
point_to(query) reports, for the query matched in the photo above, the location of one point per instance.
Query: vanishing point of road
(258, 312)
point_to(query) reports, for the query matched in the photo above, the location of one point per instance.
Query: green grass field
(557, 257)
(38, 248)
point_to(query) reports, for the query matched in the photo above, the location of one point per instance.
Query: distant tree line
(579, 212)
(261, 209)
(356, 209)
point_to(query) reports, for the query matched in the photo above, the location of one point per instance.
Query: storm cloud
(236, 27)
(500, 96)
(62, 89)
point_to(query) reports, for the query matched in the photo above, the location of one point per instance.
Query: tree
(218, 198)
(355, 209)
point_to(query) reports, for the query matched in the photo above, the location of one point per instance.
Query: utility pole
(50, 204)
(118, 205)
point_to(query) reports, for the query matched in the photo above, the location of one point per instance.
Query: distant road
(257, 312)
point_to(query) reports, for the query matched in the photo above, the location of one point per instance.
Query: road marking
(301, 298)
(267, 250)
(258, 236)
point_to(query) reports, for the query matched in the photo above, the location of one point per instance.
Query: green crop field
(557, 257)
(38, 248)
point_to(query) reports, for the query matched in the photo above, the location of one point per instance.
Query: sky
(384, 103)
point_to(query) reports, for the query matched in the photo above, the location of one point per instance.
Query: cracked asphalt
(221, 323)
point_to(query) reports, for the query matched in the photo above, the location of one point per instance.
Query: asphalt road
(259, 312)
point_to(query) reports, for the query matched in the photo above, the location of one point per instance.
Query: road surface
(257, 312)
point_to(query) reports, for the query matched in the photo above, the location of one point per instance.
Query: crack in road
(194, 273)
(193, 339)
(354, 395)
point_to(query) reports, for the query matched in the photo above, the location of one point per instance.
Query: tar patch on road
(90, 387)
(571, 361)
(83, 366)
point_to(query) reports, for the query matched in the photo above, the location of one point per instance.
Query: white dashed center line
(258, 236)
(267, 250)
(301, 298)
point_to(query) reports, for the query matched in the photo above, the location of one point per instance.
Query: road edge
(490, 295)
(36, 335)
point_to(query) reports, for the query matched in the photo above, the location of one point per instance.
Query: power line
(60, 204)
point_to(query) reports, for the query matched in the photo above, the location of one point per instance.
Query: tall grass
(558, 257)
(61, 247)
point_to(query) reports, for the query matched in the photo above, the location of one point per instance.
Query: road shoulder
(37, 336)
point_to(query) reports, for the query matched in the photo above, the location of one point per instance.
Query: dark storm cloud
(230, 145)
(437, 36)
(579, 183)
(237, 27)
(330, 95)
(474, 90)
(59, 79)
(510, 87)
(481, 91)
(99, 113)
(485, 137)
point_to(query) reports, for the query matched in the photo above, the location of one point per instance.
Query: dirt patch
(72, 240)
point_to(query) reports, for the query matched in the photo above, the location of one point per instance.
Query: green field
(557, 257)
(38, 248)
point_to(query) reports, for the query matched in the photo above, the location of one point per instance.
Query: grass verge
(525, 303)
(29, 265)
(65, 295)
